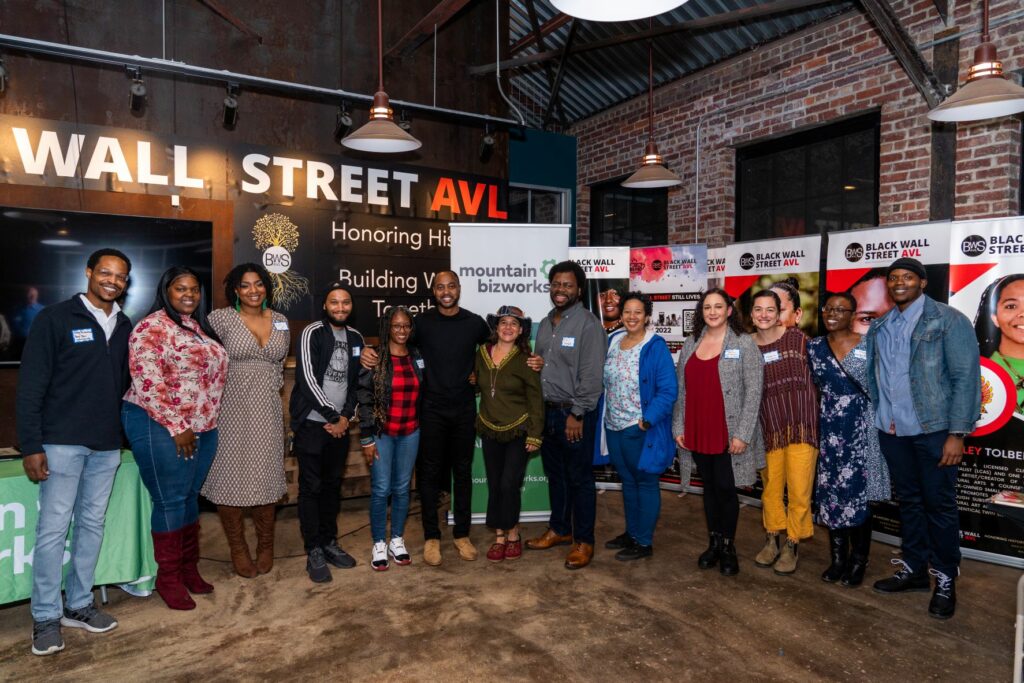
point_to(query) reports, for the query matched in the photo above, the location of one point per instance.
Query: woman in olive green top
(510, 423)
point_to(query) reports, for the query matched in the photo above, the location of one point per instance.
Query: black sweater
(71, 380)
(448, 345)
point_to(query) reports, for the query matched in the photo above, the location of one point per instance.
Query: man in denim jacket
(924, 380)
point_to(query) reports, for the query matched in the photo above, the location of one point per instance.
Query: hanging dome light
(652, 172)
(615, 10)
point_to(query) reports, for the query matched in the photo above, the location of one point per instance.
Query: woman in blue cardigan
(640, 390)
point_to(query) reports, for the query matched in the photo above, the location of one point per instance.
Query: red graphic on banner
(998, 398)
(964, 274)
(647, 262)
(735, 285)
(842, 280)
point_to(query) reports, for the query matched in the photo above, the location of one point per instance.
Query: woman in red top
(178, 369)
(390, 432)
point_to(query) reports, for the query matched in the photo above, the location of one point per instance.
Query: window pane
(826, 164)
(788, 175)
(518, 201)
(547, 207)
(621, 216)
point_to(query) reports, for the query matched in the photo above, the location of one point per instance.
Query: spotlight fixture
(486, 150)
(404, 122)
(615, 10)
(231, 107)
(380, 134)
(987, 93)
(342, 123)
(3, 76)
(136, 91)
(652, 172)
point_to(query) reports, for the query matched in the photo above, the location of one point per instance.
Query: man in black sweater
(74, 371)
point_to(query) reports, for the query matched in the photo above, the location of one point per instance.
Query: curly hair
(385, 368)
(522, 341)
(735, 320)
(234, 278)
(644, 300)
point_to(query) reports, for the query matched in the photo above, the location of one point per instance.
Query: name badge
(772, 356)
(82, 335)
(731, 353)
(356, 351)
(568, 342)
(860, 353)
(281, 325)
(419, 363)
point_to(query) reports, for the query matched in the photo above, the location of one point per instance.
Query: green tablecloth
(126, 555)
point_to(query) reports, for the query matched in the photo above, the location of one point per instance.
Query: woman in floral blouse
(178, 368)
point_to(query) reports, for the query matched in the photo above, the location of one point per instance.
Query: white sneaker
(397, 550)
(380, 557)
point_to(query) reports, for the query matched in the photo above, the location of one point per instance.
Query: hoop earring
(238, 304)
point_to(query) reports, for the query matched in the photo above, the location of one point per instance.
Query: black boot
(839, 546)
(730, 564)
(709, 558)
(860, 548)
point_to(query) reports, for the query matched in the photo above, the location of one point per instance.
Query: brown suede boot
(263, 517)
(232, 519)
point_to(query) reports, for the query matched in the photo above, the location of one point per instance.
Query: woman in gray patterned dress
(248, 470)
(851, 471)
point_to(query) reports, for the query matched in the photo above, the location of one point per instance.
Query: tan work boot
(467, 551)
(769, 553)
(432, 552)
(786, 564)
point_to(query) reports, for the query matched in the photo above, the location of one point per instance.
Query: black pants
(447, 437)
(721, 504)
(505, 463)
(321, 460)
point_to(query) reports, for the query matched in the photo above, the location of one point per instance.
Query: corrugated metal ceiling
(596, 80)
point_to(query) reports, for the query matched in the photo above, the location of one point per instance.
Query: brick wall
(838, 69)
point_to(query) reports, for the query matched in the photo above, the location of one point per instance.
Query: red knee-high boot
(167, 549)
(190, 561)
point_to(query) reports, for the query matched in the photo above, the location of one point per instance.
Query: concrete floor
(658, 619)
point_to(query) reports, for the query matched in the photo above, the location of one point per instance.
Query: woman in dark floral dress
(851, 471)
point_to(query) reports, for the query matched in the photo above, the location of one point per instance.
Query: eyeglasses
(835, 310)
(117, 276)
(401, 326)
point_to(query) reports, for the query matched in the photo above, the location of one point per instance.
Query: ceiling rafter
(423, 31)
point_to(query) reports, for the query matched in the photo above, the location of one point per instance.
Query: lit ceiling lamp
(615, 10)
(987, 92)
(380, 134)
(652, 172)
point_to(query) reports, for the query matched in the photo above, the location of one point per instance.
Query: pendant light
(381, 134)
(987, 93)
(652, 172)
(615, 10)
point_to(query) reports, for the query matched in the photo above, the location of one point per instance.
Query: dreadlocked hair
(385, 368)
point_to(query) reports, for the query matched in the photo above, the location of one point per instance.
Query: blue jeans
(641, 494)
(79, 483)
(172, 481)
(390, 475)
(929, 517)
(570, 474)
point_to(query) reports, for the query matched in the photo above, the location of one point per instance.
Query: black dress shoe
(634, 552)
(709, 558)
(943, 603)
(623, 540)
(905, 580)
(729, 564)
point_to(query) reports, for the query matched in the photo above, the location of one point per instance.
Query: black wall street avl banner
(310, 218)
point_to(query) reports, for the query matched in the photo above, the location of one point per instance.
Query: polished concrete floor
(657, 619)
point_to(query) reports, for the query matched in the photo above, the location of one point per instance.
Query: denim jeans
(390, 475)
(79, 483)
(172, 481)
(929, 517)
(641, 492)
(568, 466)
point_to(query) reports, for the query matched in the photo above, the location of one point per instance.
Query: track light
(486, 150)
(3, 76)
(343, 123)
(404, 122)
(136, 91)
(231, 107)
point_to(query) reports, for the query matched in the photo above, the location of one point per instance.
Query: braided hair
(385, 368)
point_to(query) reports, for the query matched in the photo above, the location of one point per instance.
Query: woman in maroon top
(715, 419)
(390, 432)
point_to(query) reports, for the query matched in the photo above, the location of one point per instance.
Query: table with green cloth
(126, 556)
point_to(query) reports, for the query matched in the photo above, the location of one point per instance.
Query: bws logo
(973, 245)
(854, 252)
(277, 260)
(656, 265)
(747, 261)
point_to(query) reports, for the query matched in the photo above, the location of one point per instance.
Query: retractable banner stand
(607, 270)
(856, 263)
(507, 264)
(673, 277)
(986, 283)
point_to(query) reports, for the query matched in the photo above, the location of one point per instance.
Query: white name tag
(281, 325)
(356, 351)
(419, 363)
(772, 356)
(731, 353)
(568, 342)
(860, 353)
(82, 335)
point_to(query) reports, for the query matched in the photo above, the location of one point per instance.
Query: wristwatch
(960, 434)
(644, 424)
(577, 413)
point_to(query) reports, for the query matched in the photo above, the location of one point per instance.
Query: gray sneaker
(338, 557)
(46, 637)
(316, 566)
(89, 618)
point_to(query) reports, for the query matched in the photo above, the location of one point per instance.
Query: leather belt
(559, 405)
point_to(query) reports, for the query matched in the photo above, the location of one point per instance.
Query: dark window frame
(657, 229)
